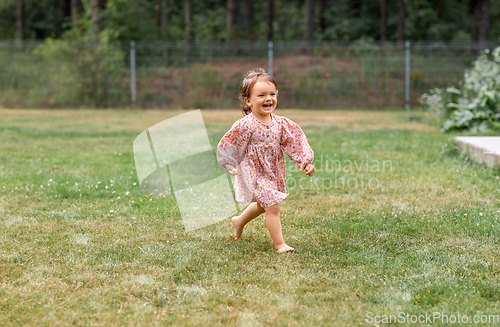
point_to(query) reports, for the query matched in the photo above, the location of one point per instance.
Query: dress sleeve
(295, 145)
(231, 148)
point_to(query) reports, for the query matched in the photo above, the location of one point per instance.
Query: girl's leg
(274, 227)
(251, 212)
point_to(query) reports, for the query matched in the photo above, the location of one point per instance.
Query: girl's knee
(273, 210)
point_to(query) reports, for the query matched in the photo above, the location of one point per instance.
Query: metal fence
(58, 73)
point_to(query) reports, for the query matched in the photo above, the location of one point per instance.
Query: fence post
(270, 58)
(407, 75)
(132, 73)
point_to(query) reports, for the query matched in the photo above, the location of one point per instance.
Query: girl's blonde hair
(251, 77)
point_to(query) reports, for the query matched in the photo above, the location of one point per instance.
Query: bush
(82, 74)
(475, 106)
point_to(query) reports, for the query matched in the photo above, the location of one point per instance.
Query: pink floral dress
(256, 149)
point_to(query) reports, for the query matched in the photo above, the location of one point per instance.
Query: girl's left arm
(295, 145)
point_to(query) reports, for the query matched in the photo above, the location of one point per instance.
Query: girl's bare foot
(238, 227)
(284, 248)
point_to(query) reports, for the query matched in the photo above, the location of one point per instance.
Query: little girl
(252, 150)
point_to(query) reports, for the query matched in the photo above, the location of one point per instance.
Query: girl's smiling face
(263, 99)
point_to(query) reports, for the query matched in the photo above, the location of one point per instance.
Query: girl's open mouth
(267, 106)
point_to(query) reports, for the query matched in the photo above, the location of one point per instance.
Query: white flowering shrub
(475, 106)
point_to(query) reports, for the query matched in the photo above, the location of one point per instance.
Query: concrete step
(482, 149)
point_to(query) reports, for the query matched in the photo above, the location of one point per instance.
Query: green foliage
(476, 105)
(86, 74)
(81, 68)
(206, 86)
(43, 18)
(131, 20)
(209, 24)
(142, 20)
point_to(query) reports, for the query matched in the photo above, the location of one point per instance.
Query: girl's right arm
(231, 148)
(231, 170)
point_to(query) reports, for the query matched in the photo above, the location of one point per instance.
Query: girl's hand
(231, 170)
(310, 170)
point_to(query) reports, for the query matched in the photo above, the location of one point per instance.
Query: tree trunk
(248, 20)
(357, 7)
(232, 7)
(188, 18)
(309, 22)
(166, 17)
(482, 14)
(166, 12)
(95, 14)
(322, 18)
(164, 28)
(76, 6)
(383, 20)
(66, 8)
(401, 21)
(20, 23)
(270, 19)
(159, 14)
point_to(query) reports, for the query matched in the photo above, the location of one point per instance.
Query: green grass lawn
(395, 222)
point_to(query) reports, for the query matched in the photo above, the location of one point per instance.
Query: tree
(482, 18)
(95, 14)
(270, 19)
(248, 20)
(383, 20)
(401, 20)
(188, 19)
(322, 16)
(309, 22)
(357, 6)
(286, 19)
(158, 13)
(76, 7)
(232, 7)
(96, 6)
(20, 23)
(66, 8)
(166, 16)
